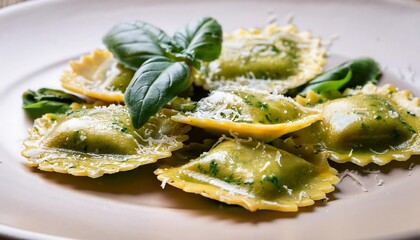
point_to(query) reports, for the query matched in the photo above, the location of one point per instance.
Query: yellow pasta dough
(98, 76)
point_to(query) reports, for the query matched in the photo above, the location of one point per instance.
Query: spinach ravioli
(92, 142)
(249, 113)
(234, 136)
(274, 59)
(98, 76)
(255, 176)
(369, 124)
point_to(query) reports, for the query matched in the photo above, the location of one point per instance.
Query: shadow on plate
(141, 187)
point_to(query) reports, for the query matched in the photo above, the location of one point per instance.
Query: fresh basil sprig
(45, 100)
(163, 64)
(350, 74)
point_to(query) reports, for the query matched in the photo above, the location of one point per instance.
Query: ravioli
(253, 175)
(249, 113)
(98, 76)
(371, 124)
(92, 142)
(274, 59)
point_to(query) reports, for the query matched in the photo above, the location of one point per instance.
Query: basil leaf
(45, 100)
(155, 83)
(55, 95)
(202, 37)
(328, 85)
(38, 109)
(133, 43)
(363, 70)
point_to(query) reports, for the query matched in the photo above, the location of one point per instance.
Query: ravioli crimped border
(81, 76)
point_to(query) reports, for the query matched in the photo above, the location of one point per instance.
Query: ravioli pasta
(276, 157)
(372, 124)
(249, 113)
(274, 59)
(92, 142)
(98, 76)
(254, 175)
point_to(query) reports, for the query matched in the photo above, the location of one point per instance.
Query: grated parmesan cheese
(393, 114)
(290, 17)
(379, 181)
(329, 43)
(278, 158)
(164, 181)
(410, 168)
(352, 176)
(265, 166)
(302, 194)
(289, 190)
(351, 152)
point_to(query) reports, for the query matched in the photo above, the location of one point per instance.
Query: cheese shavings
(348, 173)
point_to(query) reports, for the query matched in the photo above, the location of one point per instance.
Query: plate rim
(13, 232)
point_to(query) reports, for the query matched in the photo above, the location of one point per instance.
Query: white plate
(37, 40)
